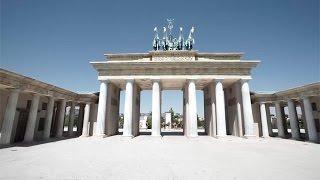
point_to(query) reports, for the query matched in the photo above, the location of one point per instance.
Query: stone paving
(169, 157)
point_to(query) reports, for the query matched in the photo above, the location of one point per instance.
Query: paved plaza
(169, 157)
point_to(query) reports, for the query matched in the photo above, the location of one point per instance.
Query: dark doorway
(21, 126)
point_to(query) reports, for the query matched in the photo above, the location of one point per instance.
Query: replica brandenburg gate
(174, 65)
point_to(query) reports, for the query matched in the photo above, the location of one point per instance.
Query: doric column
(71, 119)
(212, 106)
(156, 108)
(62, 111)
(128, 104)
(263, 114)
(48, 122)
(295, 130)
(247, 109)
(206, 109)
(193, 118)
(136, 110)
(7, 125)
(112, 115)
(85, 128)
(220, 109)
(32, 119)
(303, 118)
(269, 120)
(239, 105)
(312, 132)
(102, 107)
(185, 110)
(280, 126)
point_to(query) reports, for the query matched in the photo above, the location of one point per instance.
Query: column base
(220, 136)
(27, 141)
(192, 137)
(100, 135)
(250, 136)
(283, 137)
(156, 135)
(297, 139)
(313, 141)
(127, 137)
(84, 136)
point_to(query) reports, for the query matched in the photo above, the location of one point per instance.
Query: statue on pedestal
(169, 43)
(156, 40)
(190, 41)
(180, 40)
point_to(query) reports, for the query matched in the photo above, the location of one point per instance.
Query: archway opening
(200, 114)
(145, 119)
(172, 113)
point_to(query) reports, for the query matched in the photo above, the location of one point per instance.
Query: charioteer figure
(169, 43)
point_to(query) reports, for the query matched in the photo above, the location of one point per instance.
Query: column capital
(155, 79)
(50, 93)
(17, 90)
(85, 103)
(290, 100)
(304, 97)
(262, 102)
(244, 80)
(104, 80)
(51, 97)
(129, 80)
(192, 79)
(218, 80)
(63, 100)
(278, 102)
(36, 94)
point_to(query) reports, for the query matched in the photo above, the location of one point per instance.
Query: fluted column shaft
(295, 130)
(281, 132)
(156, 108)
(48, 122)
(102, 108)
(71, 119)
(263, 113)
(127, 124)
(247, 109)
(193, 118)
(85, 129)
(312, 132)
(7, 125)
(32, 118)
(220, 109)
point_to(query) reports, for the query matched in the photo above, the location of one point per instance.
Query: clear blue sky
(53, 41)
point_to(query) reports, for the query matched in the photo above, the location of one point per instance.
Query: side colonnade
(285, 106)
(32, 110)
(49, 109)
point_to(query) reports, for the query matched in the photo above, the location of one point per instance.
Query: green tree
(149, 121)
(121, 120)
(200, 122)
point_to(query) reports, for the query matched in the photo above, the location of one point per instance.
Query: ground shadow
(145, 133)
(36, 142)
(172, 133)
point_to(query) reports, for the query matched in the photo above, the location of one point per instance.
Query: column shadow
(36, 142)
